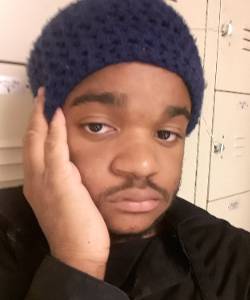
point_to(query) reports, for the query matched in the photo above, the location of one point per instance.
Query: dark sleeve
(23, 276)
(25, 273)
(55, 280)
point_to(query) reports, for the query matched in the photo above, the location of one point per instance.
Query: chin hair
(118, 236)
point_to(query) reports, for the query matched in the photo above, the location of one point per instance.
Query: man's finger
(56, 146)
(34, 139)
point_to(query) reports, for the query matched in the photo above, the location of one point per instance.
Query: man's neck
(123, 238)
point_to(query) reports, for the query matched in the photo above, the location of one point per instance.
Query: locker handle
(227, 29)
(219, 148)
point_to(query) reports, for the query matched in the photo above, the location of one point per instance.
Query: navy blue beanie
(90, 34)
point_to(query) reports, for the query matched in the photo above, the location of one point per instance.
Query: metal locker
(196, 19)
(187, 188)
(21, 23)
(234, 209)
(230, 159)
(11, 175)
(15, 108)
(15, 104)
(10, 155)
(234, 47)
(193, 11)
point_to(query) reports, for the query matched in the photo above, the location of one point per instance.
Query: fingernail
(56, 114)
(41, 91)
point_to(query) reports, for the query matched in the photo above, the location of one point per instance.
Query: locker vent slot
(239, 146)
(246, 39)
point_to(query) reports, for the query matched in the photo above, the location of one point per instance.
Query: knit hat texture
(88, 35)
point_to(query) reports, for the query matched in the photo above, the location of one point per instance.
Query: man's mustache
(132, 182)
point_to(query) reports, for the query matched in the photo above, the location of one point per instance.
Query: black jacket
(208, 260)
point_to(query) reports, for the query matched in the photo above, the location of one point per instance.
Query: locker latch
(227, 29)
(219, 148)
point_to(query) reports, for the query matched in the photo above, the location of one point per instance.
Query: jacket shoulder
(14, 209)
(214, 247)
(199, 224)
(18, 224)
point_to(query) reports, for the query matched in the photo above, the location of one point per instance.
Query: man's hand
(74, 228)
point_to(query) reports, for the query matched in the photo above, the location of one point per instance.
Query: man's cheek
(93, 178)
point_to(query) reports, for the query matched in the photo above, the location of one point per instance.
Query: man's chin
(130, 233)
(121, 233)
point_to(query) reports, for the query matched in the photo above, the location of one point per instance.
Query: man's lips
(136, 201)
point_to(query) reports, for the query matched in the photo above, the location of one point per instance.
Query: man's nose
(137, 160)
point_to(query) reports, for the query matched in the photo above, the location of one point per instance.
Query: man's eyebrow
(106, 98)
(174, 111)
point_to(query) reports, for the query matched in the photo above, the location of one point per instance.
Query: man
(119, 85)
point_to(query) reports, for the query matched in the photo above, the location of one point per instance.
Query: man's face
(126, 131)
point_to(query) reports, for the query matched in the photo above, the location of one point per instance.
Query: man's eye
(167, 135)
(96, 128)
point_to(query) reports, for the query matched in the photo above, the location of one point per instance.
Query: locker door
(11, 175)
(230, 163)
(196, 20)
(234, 209)
(234, 47)
(21, 23)
(193, 11)
(15, 107)
(187, 188)
(15, 104)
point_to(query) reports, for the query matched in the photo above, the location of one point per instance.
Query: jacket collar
(184, 218)
(177, 254)
(171, 267)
